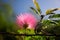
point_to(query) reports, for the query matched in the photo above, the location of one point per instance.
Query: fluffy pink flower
(26, 18)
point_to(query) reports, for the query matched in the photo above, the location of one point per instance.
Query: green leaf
(34, 10)
(50, 11)
(55, 16)
(37, 6)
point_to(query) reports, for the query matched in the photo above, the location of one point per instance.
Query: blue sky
(23, 5)
(20, 6)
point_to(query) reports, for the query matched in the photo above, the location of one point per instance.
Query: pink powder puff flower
(27, 18)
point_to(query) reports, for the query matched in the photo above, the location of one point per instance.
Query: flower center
(25, 26)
